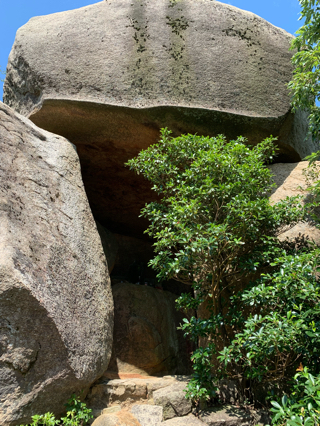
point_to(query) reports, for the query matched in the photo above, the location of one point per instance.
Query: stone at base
(111, 410)
(146, 339)
(189, 420)
(107, 392)
(226, 416)
(122, 418)
(147, 415)
(173, 400)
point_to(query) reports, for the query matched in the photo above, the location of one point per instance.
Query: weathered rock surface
(121, 392)
(111, 410)
(306, 230)
(109, 75)
(189, 420)
(291, 181)
(226, 416)
(117, 391)
(122, 418)
(157, 398)
(109, 244)
(56, 309)
(150, 54)
(173, 400)
(147, 415)
(146, 339)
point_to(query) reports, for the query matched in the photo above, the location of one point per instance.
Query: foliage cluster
(285, 331)
(214, 228)
(77, 415)
(305, 85)
(302, 407)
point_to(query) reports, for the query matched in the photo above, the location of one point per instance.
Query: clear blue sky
(15, 13)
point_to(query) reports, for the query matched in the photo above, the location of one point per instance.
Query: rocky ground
(135, 400)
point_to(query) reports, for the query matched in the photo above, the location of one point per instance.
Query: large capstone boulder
(56, 308)
(110, 75)
(146, 339)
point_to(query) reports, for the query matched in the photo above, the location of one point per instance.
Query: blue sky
(15, 13)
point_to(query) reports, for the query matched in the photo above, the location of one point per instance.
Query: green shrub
(213, 228)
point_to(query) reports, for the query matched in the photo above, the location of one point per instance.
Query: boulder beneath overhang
(147, 340)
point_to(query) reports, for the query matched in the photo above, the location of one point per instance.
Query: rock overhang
(107, 136)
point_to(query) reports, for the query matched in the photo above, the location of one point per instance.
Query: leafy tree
(305, 85)
(213, 226)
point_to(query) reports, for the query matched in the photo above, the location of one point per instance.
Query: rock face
(109, 75)
(145, 54)
(116, 392)
(109, 244)
(56, 309)
(146, 340)
(147, 415)
(291, 181)
(122, 418)
(229, 416)
(189, 420)
(173, 400)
